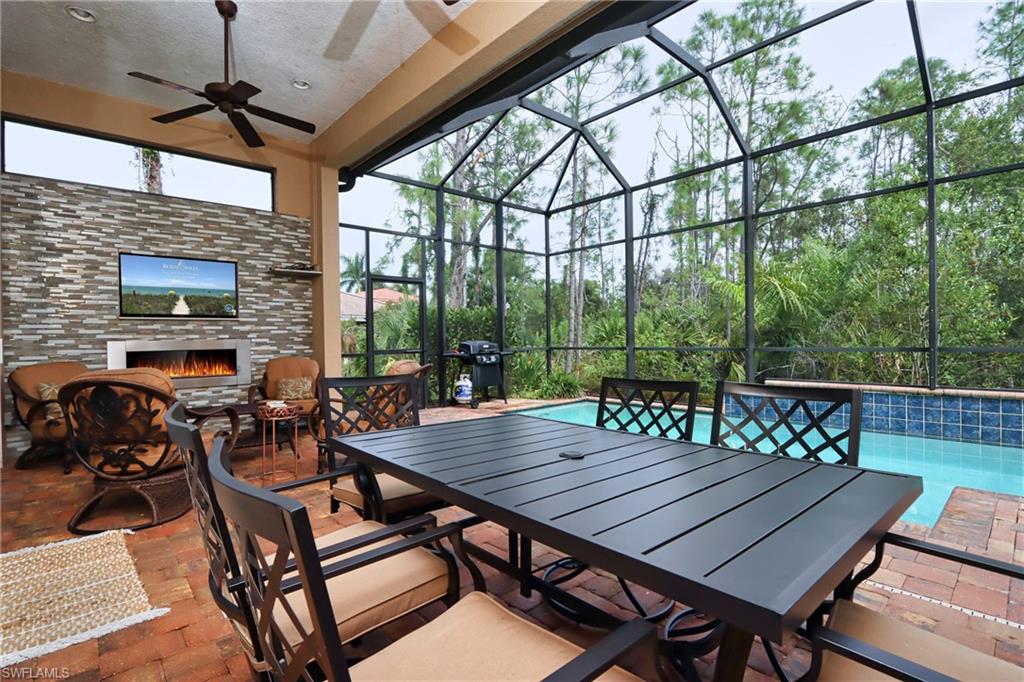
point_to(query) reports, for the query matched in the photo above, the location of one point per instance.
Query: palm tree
(151, 167)
(353, 272)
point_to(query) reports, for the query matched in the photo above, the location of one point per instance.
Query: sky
(39, 151)
(846, 54)
(152, 271)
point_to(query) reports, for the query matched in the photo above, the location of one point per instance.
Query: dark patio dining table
(757, 541)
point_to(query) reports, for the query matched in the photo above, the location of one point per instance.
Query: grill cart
(485, 365)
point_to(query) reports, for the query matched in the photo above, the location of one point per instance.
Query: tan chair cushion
(400, 367)
(29, 377)
(295, 388)
(147, 376)
(44, 431)
(909, 642)
(477, 639)
(398, 495)
(288, 367)
(376, 594)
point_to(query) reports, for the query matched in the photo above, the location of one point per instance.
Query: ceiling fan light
(80, 14)
(301, 84)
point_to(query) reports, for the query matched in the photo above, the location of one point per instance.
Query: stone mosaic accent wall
(59, 262)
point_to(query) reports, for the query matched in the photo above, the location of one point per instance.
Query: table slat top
(757, 540)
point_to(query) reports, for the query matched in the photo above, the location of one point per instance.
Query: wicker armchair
(116, 428)
(287, 367)
(42, 417)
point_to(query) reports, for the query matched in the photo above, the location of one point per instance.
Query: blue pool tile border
(991, 421)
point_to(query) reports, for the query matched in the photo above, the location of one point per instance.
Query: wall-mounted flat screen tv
(161, 286)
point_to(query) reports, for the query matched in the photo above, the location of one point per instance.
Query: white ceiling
(342, 48)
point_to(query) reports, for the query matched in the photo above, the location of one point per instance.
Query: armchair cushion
(47, 431)
(288, 367)
(398, 495)
(477, 639)
(376, 594)
(909, 642)
(147, 376)
(295, 388)
(400, 367)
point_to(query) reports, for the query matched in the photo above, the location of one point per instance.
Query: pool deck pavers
(195, 642)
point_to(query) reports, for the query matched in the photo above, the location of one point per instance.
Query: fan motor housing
(216, 91)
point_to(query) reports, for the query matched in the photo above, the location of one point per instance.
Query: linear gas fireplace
(191, 364)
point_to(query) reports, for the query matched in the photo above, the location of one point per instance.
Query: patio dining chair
(361, 405)
(362, 600)
(476, 639)
(665, 409)
(821, 424)
(857, 643)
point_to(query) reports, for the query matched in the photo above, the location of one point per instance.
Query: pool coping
(909, 390)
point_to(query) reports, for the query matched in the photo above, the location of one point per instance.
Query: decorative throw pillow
(49, 392)
(299, 388)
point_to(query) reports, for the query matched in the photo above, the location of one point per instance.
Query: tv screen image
(160, 286)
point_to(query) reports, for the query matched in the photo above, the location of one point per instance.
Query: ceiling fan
(231, 98)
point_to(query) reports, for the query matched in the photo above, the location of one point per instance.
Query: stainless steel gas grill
(486, 368)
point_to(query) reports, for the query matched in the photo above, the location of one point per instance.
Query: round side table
(269, 416)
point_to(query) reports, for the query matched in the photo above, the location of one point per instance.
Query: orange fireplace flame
(192, 366)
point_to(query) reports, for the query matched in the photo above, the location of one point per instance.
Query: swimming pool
(943, 464)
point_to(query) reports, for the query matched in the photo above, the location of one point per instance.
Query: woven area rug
(63, 593)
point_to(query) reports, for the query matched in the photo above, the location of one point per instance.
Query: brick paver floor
(195, 642)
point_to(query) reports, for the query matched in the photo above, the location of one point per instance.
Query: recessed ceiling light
(301, 85)
(80, 14)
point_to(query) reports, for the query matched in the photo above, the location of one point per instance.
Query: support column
(749, 240)
(324, 236)
(630, 289)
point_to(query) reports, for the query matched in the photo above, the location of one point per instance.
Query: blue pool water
(943, 464)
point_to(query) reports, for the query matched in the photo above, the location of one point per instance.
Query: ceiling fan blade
(241, 92)
(283, 119)
(169, 84)
(183, 113)
(245, 129)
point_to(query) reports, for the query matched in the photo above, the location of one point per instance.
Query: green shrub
(556, 385)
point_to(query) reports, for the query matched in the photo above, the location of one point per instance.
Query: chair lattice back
(213, 528)
(271, 525)
(359, 405)
(117, 427)
(656, 408)
(806, 423)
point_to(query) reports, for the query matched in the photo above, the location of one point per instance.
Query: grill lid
(477, 347)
